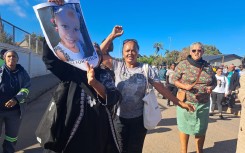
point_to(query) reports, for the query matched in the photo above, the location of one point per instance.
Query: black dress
(85, 120)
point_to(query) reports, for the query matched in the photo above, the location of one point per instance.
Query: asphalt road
(221, 135)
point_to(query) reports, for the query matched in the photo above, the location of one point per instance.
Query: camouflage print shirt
(187, 74)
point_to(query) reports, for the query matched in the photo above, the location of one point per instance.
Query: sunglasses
(133, 40)
(194, 50)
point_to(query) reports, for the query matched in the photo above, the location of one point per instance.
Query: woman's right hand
(59, 2)
(10, 103)
(117, 31)
(187, 87)
(188, 107)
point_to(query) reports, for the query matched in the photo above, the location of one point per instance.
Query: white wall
(31, 61)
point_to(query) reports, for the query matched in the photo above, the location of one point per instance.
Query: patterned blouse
(187, 74)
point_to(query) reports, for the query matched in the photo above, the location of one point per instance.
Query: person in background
(162, 76)
(219, 92)
(14, 89)
(214, 69)
(155, 69)
(225, 70)
(186, 74)
(131, 82)
(169, 82)
(237, 69)
(234, 84)
(242, 70)
(1, 56)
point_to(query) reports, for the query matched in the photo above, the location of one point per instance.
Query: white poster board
(66, 34)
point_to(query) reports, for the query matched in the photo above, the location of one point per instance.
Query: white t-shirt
(170, 73)
(222, 84)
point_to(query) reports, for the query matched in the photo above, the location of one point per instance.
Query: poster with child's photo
(66, 34)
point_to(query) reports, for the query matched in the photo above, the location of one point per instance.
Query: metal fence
(16, 36)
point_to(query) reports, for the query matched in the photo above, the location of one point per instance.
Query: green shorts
(194, 123)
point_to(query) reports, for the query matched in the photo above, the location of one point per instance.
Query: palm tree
(158, 47)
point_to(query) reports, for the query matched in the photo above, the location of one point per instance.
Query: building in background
(223, 59)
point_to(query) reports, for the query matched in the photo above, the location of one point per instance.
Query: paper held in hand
(66, 33)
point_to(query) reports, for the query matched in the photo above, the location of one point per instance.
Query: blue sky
(174, 23)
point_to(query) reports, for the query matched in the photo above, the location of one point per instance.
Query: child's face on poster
(68, 27)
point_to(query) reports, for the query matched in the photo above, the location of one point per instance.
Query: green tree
(144, 59)
(211, 50)
(172, 56)
(4, 36)
(157, 60)
(183, 54)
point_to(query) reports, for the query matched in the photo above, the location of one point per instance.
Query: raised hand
(117, 31)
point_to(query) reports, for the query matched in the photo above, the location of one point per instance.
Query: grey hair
(197, 43)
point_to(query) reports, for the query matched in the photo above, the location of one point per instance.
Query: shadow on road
(227, 117)
(228, 146)
(164, 122)
(159, 130)
(168, 122)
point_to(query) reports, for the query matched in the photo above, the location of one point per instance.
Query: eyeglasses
(194, 50)
(133, 40)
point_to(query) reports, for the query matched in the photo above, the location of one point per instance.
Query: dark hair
(98, 50)
(2, 53)
(133, 40)
(172, 64)
(219, 68)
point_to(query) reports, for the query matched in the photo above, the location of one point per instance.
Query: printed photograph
(66, 34)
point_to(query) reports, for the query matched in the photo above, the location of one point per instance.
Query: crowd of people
(95, 93)
(102, 108)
